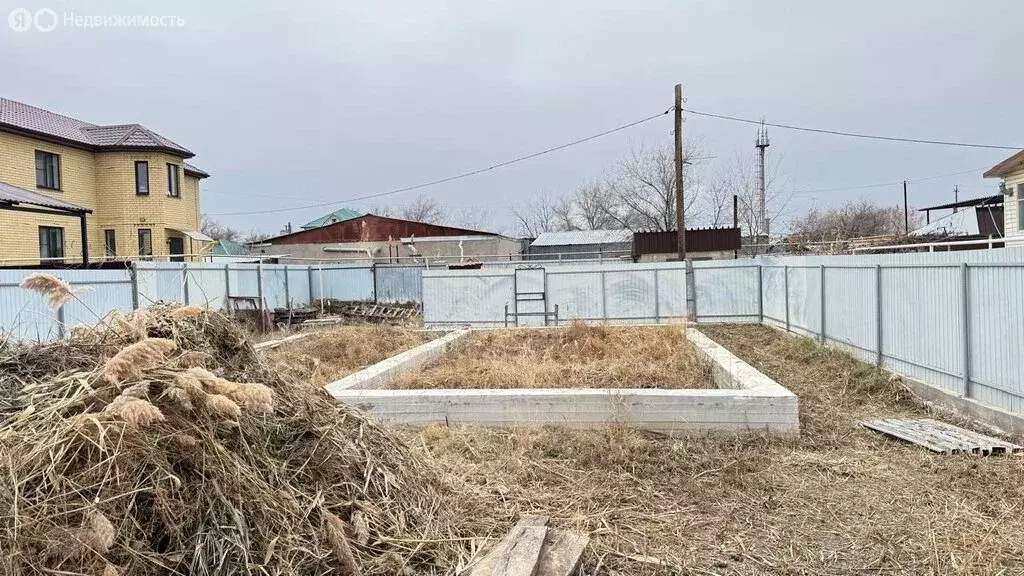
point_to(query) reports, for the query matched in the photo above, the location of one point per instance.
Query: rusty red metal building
(371, 228)
(698, 240)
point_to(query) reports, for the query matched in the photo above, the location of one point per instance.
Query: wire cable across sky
(457, 176)
(851, 134)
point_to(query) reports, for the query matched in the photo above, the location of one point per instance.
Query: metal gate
(530, 307)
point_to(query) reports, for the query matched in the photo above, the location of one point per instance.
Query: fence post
(309, 277)
(287, 289)
(822, 295)
(373, 275)
(259, 285)
(134, 276)
(760, 294)
(785, 284)
(878, 313)
(227, 284)
(966, 330)
(184, 281)
(657, 305)
(60, 322)
(604, 300)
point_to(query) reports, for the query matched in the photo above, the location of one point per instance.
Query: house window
(142, 178)
(173, 181)
(1020, 209)
(51, 245)
(47, 170)
(145, 242)
(110, 244)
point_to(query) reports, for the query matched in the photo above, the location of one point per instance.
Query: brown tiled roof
(1011, 164)
(195, 171)
(19, 117)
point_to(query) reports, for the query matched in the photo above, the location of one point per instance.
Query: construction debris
(941, 437)
(532, 549)
(367, 312)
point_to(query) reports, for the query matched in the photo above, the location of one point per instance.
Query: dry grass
(838, 500)
(205, 462)
(579, 356)
(331, 354)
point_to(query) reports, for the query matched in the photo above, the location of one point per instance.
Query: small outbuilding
(582, 244)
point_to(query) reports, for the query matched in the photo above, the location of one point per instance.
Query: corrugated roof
(339, 215)
(962, 223)
(14, 195)
(583, 237)
(25, 117)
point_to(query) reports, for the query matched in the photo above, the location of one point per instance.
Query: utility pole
(906, 213)
(680, 205)
(762, 214)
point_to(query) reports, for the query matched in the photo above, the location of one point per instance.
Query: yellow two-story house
(71, 190)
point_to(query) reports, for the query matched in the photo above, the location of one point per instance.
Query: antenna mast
(763, 226)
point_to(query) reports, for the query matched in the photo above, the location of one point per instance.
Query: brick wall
(103, 182)
(19, 231)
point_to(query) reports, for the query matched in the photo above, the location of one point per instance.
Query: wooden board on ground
(941, 437)
(521, 558)
(562, 553)
(486, 566)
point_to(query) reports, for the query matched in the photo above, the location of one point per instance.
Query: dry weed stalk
(134, 358)
(134, 411)
(222, 406)
(55, 290)
(336, 536)
(98, 533)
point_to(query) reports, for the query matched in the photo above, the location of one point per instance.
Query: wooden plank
(562, 553)
(942, 437)
(522, 557)
(487, 564)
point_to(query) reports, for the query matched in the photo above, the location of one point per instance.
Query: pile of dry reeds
(579, 356)
(160, 444)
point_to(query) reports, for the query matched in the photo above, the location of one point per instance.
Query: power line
(853, 134)
(884, 184)
(456, 177)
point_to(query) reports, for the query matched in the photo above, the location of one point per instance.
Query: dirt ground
(579, 356)
(330, 354)
(838, 500)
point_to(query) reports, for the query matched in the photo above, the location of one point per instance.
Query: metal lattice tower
(763, 226)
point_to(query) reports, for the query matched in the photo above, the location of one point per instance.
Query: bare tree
(217, 230)
(740, 178)
(535, 216)
(641, 190)
(420, 209)
(476, 218)
(855, 219)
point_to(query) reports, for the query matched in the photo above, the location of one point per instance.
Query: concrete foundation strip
(378, 375)
(746, 401)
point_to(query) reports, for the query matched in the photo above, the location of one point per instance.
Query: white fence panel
(579, 295)
(476, 297)
(343, 282)
(997, 335)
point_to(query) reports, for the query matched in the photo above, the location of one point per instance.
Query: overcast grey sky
(293, 103)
